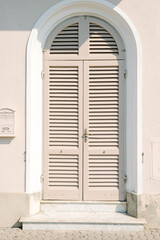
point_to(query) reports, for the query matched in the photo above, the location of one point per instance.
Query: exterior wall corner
(146, 206)
(15, 205)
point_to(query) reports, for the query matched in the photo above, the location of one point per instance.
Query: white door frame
(133, 116)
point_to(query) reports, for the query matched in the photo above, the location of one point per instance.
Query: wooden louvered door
(83, 112)
(103, 122)
(84, 130)
(63, 131)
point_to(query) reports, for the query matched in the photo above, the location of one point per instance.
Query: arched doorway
(34, 107)
(84, 112)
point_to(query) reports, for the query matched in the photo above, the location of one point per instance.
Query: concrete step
(50, 207)
(82, 221)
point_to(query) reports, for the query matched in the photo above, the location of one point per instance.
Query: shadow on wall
(22, 15)
(115, 2)
(6, 140)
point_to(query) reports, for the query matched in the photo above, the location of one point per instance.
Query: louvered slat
(67, 41)
(101, 41)
(63, 171)
(101, 164)
(63, 106)
(104, 106)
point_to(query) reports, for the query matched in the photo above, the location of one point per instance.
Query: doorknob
(86, 134)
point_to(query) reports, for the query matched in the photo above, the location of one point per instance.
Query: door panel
(102, 165)
(83, 130)
(63, 130)
(83, 111)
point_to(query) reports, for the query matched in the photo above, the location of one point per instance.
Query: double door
(83, 130)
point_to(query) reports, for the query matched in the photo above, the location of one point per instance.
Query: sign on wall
(7, 122)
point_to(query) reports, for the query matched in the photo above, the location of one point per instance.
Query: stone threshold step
(81, 202)
(77, 206)
(83, 221)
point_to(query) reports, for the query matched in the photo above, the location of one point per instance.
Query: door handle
(85, 135)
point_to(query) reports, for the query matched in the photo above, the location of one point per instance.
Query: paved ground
(18, 234)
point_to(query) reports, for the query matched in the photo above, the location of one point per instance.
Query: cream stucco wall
(146, 18)
(17, 19)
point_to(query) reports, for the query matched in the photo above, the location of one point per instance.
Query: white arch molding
(34, 125)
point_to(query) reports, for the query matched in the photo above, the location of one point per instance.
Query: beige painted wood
(103, 159)
(62, 131)
(95, 38)
(83, 112)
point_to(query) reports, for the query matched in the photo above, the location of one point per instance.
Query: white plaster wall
(146, 18)
(12, 95)
(17, 19)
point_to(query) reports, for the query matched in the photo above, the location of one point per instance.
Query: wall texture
(15, 205)
(16, 22)
(17, 19)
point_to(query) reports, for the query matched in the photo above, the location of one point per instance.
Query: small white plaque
(7, 122)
